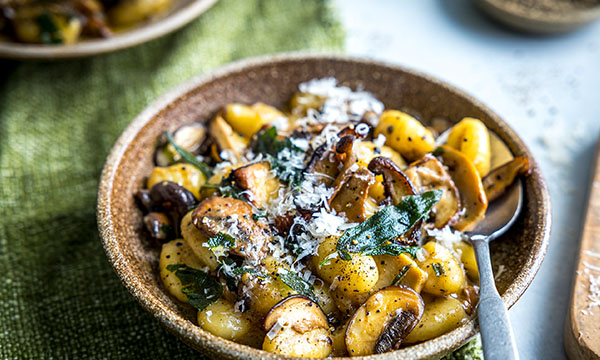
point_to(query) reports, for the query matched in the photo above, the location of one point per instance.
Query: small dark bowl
(273, 79)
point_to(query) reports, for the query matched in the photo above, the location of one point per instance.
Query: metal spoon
(496, 332)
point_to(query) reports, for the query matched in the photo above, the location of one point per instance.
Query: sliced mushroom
(397, 186)
(159, 225)
(297, 327)
(232, 217)
(298, 312)
(502, 177)
(327, 164)
(383, 321)
(473, 200)
(226, 139)
(174, 199)
(259, 180)
(429, 174)
(350, 195)
(189, 137)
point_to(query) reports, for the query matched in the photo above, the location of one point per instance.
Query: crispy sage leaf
(189, 157)
(297, 283)
(268, 144)
(375, 235)
(221, 239)
(201, 288)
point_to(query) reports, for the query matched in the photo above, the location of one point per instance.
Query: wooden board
(582, 328)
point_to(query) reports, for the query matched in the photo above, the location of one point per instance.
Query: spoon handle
(496, 333)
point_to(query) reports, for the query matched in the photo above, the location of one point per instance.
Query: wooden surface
(582, 329)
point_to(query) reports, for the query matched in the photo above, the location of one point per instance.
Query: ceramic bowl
(183, 12)
(273, 79)
(528, 19)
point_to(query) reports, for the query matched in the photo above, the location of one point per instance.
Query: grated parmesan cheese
(446, 237)
(342, 104)
(277, 327)
(379, 140)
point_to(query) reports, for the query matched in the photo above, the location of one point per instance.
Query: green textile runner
(59, 297)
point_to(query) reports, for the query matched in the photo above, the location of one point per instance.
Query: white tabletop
(546, 88)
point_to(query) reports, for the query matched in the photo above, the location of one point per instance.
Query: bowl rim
(190, 333)
(164, 25)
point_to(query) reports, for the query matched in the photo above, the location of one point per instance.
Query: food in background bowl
(335, 228)
(68, 21)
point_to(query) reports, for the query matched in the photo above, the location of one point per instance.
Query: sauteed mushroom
(383, 321)
(496, 182)
(397, 185)
(473, 200)
(429, 174)
(351, 194)
(226, 139)
(260, 183)
(173, 198)
(297, 327)
(234, 218)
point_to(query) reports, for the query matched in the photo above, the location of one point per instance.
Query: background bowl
(273, 79)
(524, 18)
(183, 12)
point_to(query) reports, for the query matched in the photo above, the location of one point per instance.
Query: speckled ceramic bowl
(543, 21)
(273, 79)
(182, 12)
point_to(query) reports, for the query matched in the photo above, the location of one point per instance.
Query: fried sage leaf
(221, 239)
(279, 154)
(201, 288)
(297, 283)
(189, 157)
(375, 236)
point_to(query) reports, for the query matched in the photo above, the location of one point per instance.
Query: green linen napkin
(59, 297)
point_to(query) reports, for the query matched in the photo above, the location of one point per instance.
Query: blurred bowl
(274, 79)
(515, 14)
(183, 12)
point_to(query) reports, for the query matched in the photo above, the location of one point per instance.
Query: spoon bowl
(497, 336)
(501, 213)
